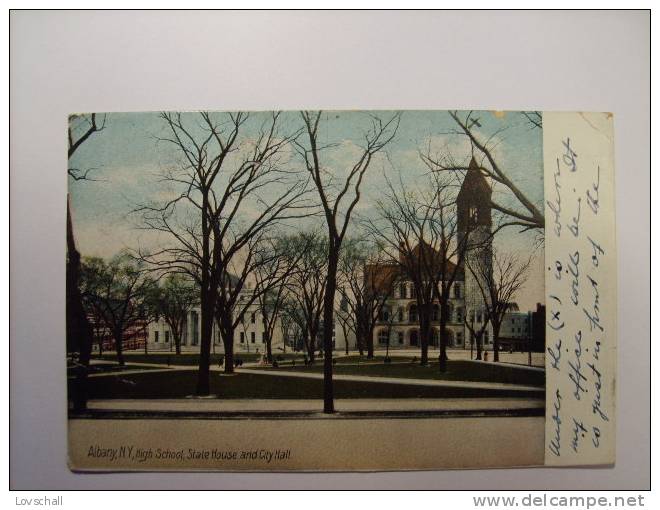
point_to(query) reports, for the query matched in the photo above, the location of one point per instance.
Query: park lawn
(192, 359)
(457, 370)
(111, 367)
(181, 383)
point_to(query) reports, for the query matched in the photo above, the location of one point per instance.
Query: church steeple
(474, 199)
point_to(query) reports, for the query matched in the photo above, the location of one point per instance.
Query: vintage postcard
(340, 290)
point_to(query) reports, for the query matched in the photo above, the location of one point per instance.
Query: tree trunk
(370, 342)
(496, 341)
(208, 298)
(176, 333)
(226, 326)
(203, 376)
(311, 348)
(359, 335)
(328, 319)
(444, 315)
(79, 335)
(118, 335)
(360, 343)
(228, 342)
(424, 334)
(269, 347)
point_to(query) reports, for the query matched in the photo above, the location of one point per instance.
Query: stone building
(398, 323)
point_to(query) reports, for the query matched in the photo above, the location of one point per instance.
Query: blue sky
(128, 158)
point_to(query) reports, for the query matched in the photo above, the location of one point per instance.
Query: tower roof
(475, 181)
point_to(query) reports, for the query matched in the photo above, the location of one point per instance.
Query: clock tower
(473, 208)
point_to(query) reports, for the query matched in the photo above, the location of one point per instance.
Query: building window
(478, 317)
(243, 317)
(400, 313)
(242, 337)
(459, 315)
(435, 314)
(400, 337)
(252, 318)
(459, 338)
(344, 305)
(383, 337)
(412, 314)
(384, 314)
(402, 291)
(263, 337)
(167, 336)
(252, 337)
(413, 292)
(486, 337)
(457, 291)
(156, 336)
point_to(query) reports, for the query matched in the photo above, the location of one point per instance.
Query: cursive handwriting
(592, 198)
(555, 355)
(555, 206)
(593, 315)
(570, 156)
(579, 412)
(555, 442)
(575, 365)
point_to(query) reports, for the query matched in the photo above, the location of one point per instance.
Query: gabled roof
(384, 275)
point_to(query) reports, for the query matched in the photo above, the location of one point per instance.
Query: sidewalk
(288, 409)
(397, 380)
(384, 404)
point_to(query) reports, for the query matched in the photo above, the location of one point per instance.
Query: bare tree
(337, 210)
(499, 281)
(535, 119)
(81, 127)
(524, 213)
(267, 264)
(174, 300)
(365, 283)
(419, 229)
(476, 332)
(79, 334)
(293, 324)
(307, 285)
(231, 190)
(453, 245)
(273, 279)
(346, 319)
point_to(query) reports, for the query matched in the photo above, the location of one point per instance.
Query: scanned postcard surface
(340, 290)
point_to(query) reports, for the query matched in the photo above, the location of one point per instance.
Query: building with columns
(249, 335)
(398, 323)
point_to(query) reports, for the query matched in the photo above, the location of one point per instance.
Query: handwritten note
(580, 263)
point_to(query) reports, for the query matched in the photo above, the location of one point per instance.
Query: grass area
(179, 384)
(111, 367)
(185, 358)
(457, 370)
